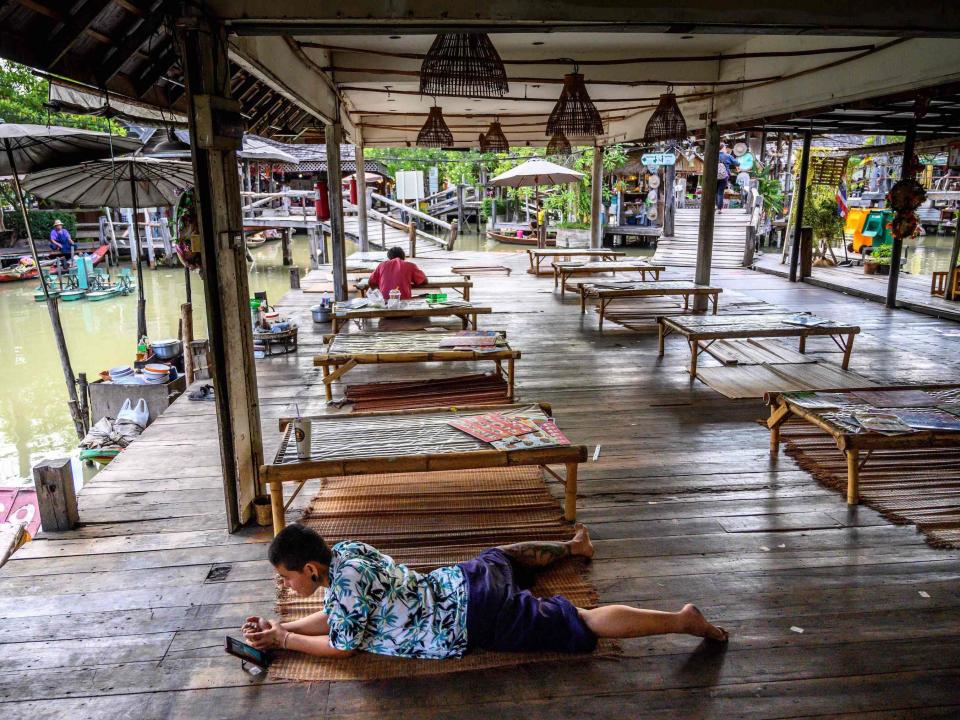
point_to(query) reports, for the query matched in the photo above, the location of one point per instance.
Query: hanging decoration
(559, 146)
(435, 132)
(483, 143)
(464, 65)
(187, 241)
(666, 122)
(574, 115)
(495, 140)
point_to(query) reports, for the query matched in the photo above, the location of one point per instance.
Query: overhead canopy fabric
(255, 149)
(37, 147)
(536, 172)
(85, 100)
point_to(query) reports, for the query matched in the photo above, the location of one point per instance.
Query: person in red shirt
(396, 272)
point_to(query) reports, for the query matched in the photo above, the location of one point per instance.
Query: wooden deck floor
(913, 291)
(118, 619)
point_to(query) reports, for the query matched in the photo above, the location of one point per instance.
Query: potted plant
(572, 234)
(879, 259)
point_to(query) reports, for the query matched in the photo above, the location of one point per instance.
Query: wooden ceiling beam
(112, 62)
(72, 29)
(163, 60)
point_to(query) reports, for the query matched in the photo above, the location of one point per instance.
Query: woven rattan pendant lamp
(574, 115)
(483, 143)
(667, 121)
(435, 132)
(495, 140)
(558, 146)
(464, 65)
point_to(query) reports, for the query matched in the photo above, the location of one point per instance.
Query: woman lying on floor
(375, 605)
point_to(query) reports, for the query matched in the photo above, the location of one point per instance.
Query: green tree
(22, 99)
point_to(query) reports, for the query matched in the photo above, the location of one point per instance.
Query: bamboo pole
(52, 308)
(135, 242)
(186, 318)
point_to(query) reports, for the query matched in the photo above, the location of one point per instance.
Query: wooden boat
(512, 239)
(24, 270)
(255, 242)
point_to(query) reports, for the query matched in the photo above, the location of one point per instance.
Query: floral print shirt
(376, 605)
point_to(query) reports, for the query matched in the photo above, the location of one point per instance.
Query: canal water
(34, 421)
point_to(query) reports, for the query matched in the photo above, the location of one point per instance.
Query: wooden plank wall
(118, 618)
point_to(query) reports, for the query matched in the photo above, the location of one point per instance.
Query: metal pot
(321, 314)
(167, 349)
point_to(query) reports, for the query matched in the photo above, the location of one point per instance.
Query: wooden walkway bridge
(729, 235)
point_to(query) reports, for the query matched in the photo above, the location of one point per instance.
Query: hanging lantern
(667, 121)
(465, 65)
(435, 132)
(558, 146)
(495, 140)
(574, 115)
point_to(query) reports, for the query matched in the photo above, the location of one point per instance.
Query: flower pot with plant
(878, 261)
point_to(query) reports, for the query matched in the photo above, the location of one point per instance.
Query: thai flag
(842, 199)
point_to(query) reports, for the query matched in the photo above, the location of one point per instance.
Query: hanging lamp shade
(495, 140)
(558, 145)
(574, 115)
(435, 132)
(667, 121)
(465, 65)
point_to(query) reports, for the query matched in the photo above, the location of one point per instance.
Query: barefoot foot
(580, 545)
(695, 623)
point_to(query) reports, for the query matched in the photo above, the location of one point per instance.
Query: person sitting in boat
(61, 243)
(397, 273)
(373, 604)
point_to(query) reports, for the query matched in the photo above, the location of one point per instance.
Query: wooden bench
(537, 256)
(434, 282)
(410, 308)
(710, 328)
(345, 351)
(370, 443)
(564, 271)
(606, 293)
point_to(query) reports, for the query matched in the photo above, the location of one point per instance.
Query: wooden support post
(596, 197)
(83, 388)
(570, 493)
(165, 238)
(56, 495)
(294, 278)
(951, 267)
(412, 238)
(669, 178)
(897, 250)
(454, 232)
(853, 477)
(708, 209)
(806, 252)
(338, 247)
(361, 174)
(186, 320)
(493, 213)
(276, 507)
(215, 129)
(151, 251)
(510, 378)
(286, 240)
(383, 233)
(749, 246)
(800, 192)
(460, 204)
(112, 237)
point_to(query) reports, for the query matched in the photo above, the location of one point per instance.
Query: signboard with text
(658, 159)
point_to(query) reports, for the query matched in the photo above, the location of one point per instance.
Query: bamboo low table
(708, 329)
(411, 308)
(538, 255)
(434, 282)
(850, 438)
(347, 350)
(606, 293)
(564, 271)
(370, 443)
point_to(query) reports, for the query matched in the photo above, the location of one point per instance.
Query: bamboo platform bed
(345, 351)
(703, 331)
(564, 271)
(125, 615)
(370, 443)
(410, 308)
(538, 255)
(606, 293)
(854, 443)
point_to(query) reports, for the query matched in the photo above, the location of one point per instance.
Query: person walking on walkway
(725, 170)
(375, 605)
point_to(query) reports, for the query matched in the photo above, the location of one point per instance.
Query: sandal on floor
(205, 392)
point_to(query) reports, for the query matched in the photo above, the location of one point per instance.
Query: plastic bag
(376, 298)
(136, 414)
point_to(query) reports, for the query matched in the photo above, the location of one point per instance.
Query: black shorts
(502, 614)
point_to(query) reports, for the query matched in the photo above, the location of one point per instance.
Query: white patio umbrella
(129, 181)
(27, 148)
(534, 173)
